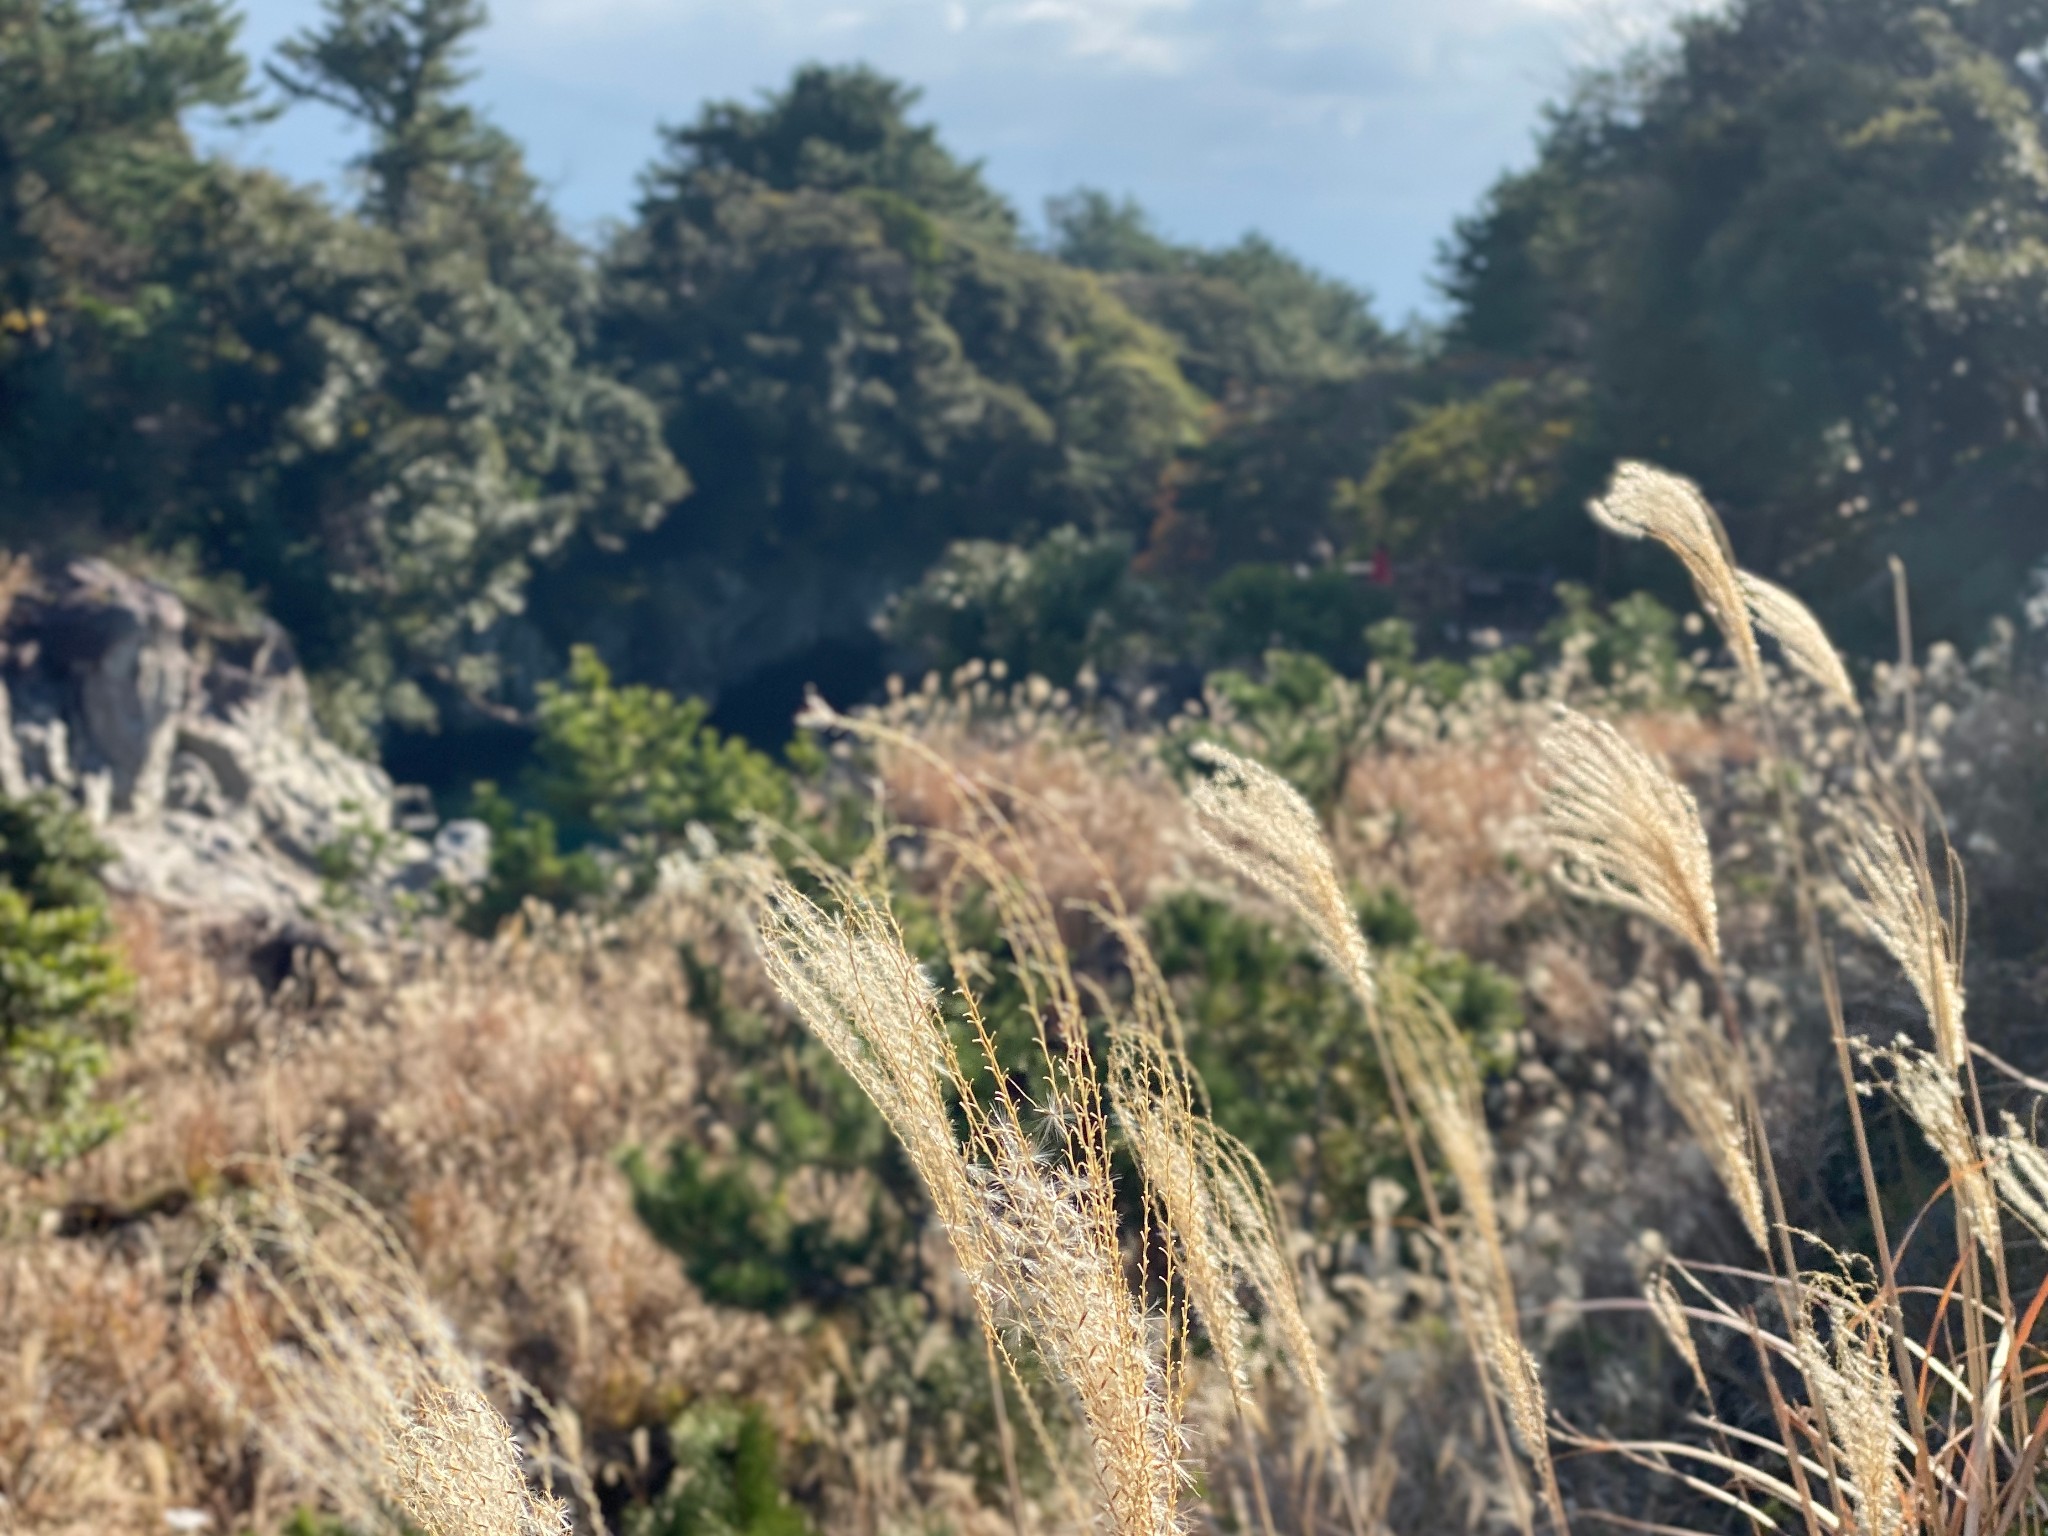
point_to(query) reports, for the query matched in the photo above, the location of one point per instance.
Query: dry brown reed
(1702, 1076)
(1034, 1229)
(1626, 833)
(367, 1396)
(478, 1094)
(1645, 502)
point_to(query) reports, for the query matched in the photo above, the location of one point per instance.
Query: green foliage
(426, 427)
(98, 191)
(50, 854)
(1044, 610)
(1801, 255)
(379, 420)
(843, 130)
(1477, 478)
(1304, 720)
(837, 358)
(1309, 723)
(636, 762)
(727, 1480)
(793, 1115)
(1279, 483)
(860, 365)
(527, 861)
(1325, 613)
(1246, 318)
(1284, 1051)
(63, 990)
(620, 776)
(393, 65)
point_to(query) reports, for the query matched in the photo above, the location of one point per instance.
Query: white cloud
(1352, 130)
(1121, 32)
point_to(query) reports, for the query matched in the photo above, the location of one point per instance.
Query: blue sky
(1351, 131)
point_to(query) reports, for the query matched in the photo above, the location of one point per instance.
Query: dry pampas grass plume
(1223, 1219)
(1669, 1312)
(1643, 501)
(363, 1393)
(1035, 1232)
(1702, 1074)
(1219, 1203)
(1898, 909)
(1933, 1097)
(1258, 825)
(1854, 1386)
(1806, 645)
(1436, 1065)
(1625, 832)
(2020, 1169)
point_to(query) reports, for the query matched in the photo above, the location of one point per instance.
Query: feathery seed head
(1791, 623)
(1669, 1312)
(1646, 502)
(1515, 1374)
(1624, 831)
(374, 1401)
(1035, 1232)
(2020, 1169)
(1702, 1073)
(1157, 1115)
(1934, 1098)
(1855, 1387)
(1255, 822)
(1897, 908)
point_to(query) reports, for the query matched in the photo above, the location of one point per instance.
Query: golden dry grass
(478, 1095)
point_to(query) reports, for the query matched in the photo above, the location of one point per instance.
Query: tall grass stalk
(1874, 1395)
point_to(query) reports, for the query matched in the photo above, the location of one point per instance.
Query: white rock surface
(194, 747)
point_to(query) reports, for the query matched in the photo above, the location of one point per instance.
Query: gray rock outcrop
(192, 744)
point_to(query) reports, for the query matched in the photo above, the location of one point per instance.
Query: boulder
(192, 744)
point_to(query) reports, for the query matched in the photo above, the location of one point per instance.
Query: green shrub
(1257, 608)
(621, 775)
(1631, 646)
(621, 762)
(1299, 716)
(1046, 609)
(527, 860)
(791, 1111)
(63, 990)
(50, 854)
(727, 1480)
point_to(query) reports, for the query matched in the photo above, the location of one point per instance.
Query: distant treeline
(1798, 251)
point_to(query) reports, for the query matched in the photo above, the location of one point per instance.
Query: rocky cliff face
(193, 746)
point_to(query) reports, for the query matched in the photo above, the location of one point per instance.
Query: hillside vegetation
(1329, 951)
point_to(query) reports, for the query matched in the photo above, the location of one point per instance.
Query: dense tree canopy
(99, 195)
(1803, 256)
(1799, 251)
(858, 360)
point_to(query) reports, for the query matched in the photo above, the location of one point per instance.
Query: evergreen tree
(424, 425)
(858, 362)
(1800, 255)
(97, 183)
